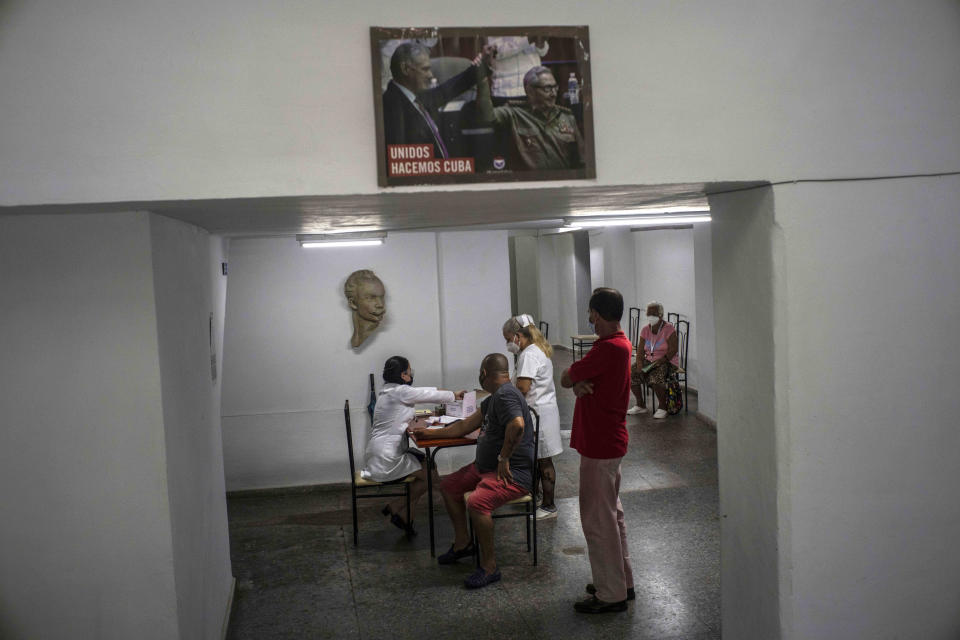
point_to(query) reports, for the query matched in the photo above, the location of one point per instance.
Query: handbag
(674, 396)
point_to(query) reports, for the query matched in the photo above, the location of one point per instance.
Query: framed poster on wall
(464, 105)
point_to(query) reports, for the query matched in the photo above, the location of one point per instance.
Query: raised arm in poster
(488, 104)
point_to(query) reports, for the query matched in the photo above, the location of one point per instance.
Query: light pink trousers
(601, 515)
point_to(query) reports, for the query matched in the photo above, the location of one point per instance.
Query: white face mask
(653, 320)
(513, 347)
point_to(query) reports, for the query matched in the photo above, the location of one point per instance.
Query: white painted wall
(597, 262)
(288, 365)
(619, 271)
(705, 334)
(869, 300)
(568, 322)
(85, 544)
(665, 272)
(475, 302)
(750, 421)
(527, 274)
(183, 264)
(228, 99)
(549, 287)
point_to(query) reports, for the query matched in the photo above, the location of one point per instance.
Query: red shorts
(489, 492)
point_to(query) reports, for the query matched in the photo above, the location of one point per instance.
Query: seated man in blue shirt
(501, 472)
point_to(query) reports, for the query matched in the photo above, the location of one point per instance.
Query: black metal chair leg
(528, 527)
(356, 534)
(534, 535)
(473, 540)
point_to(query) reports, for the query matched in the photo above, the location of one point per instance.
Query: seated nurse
(388, 456)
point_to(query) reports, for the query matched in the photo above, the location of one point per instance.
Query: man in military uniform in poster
(543, 135)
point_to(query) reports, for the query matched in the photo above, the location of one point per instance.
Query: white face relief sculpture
(365, 295)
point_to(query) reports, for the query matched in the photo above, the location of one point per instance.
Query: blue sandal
(452, 555)
(480, 578)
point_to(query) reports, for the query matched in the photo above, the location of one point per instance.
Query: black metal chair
(527, 503)
(544, 328)
(372, 404)
(360, 487)
(683, 332)
(634, 327)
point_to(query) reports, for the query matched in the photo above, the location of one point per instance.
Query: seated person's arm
(456, 429)
(672, 348)
(524, 384)
(511, 437)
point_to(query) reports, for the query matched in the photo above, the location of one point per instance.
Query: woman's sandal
(398, 522)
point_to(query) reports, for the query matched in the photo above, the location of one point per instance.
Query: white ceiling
(396, 211)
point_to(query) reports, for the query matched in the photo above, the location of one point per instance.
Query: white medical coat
(385, 459)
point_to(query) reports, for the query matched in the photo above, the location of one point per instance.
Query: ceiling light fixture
(329, 240)
(637, 221)
(596, 213)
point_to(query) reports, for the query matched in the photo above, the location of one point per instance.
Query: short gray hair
(658, 305)
(531, 76)
(404, 54)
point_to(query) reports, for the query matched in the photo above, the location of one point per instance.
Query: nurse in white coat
(534, 373)
(387, 456)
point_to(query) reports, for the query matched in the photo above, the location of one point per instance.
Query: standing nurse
(535, 381)
(601, 382)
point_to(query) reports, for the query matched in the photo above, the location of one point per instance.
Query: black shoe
(631, 593)
(452, 556)
(399, 522)
(592, 605)
(406, 526)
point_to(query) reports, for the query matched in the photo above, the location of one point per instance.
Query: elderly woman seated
(388, 456)
(660, 360)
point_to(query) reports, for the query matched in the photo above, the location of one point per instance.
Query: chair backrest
(373, 399)
(683, 329)
(346, 420)
(536, 448)
(544, 328)
(634, 327)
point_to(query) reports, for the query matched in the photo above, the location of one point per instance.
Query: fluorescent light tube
(642, 212)
(341, 240)
(339, 243)
(637, 221)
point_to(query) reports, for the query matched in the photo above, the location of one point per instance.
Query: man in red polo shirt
(601, 382)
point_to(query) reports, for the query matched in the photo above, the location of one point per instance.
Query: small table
(432, 446)
(581, 341)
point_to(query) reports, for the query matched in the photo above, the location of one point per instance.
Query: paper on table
(435, 422)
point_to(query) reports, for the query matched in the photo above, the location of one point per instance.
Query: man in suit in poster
(411, 107)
